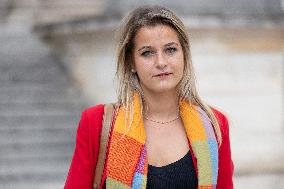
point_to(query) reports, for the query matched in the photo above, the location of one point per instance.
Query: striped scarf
(127, 165)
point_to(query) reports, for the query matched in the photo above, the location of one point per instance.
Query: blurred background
(58, 58)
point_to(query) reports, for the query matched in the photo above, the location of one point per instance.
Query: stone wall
(240, 8)
(53, 11)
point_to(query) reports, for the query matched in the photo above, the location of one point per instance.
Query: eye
(147, 53)
(171, 50)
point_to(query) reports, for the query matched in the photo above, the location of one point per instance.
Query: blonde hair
(129, 82)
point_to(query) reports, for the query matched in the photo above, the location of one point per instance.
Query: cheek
(178, 63)
(179, 70)
(143, 71)
(181, 60)
(143, 67)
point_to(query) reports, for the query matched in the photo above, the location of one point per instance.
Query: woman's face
(158, 58)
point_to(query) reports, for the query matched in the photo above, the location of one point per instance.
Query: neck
(162, 106)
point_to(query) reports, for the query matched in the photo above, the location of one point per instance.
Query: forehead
(155, 35)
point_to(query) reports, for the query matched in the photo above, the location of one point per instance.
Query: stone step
(39, 98)
(33, 158)
(37, 107)
(49, 86)
(48, 126)
(40, 139)
(20, 152)
(40, 166)
(42, 69)
(37, 135)
(74, 103)
(40, 60)
(12, 61)
(37, 113)
(57, 84)
(28, 91)
(51, 184)
(61, 123)
(17, 121)
(37, 178)
(34, 170)
(30, 127)
(15, 55)
(40, 108)
(31, 73)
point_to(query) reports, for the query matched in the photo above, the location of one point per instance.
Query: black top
(180, 175)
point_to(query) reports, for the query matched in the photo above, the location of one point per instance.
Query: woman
(163, 135)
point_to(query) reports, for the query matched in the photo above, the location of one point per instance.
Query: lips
(163, 74)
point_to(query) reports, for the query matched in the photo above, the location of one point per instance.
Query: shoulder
(93, 110)
(222, 120)
(91, 119)
(90, 125)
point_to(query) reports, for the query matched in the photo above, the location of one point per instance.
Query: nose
(161, 61)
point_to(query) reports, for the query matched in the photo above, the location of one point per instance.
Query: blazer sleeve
(226, 166)
(82, 168)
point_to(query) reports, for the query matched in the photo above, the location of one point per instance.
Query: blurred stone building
(237, 50)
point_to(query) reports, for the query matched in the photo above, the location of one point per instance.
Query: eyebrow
(144, 47)
(171, 43)
(168, 44)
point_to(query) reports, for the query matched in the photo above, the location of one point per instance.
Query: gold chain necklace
(161, 122)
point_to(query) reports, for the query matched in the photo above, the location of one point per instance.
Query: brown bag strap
(107, 122)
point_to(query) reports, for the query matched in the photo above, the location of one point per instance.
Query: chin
(164, 89)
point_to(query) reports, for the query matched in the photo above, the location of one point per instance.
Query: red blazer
(82, 169)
